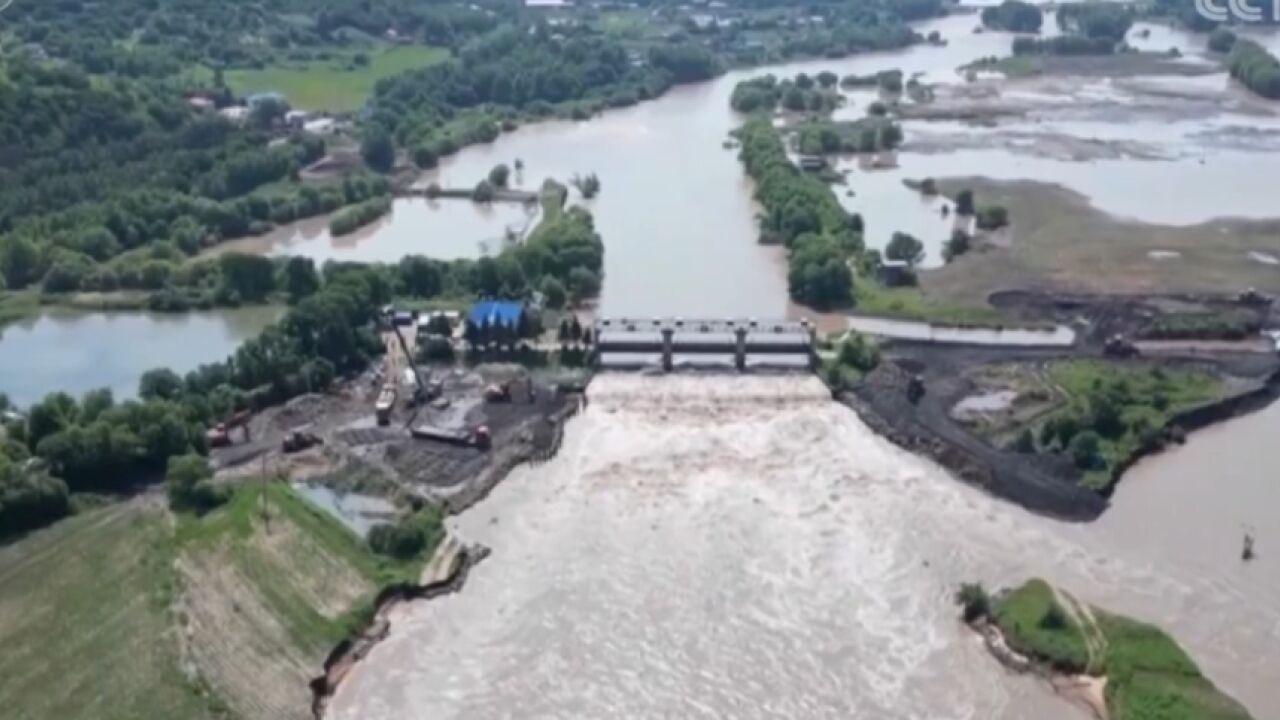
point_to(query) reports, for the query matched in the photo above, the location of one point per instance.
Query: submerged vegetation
(354, 217)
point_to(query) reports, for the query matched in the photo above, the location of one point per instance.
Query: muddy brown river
(707, 547)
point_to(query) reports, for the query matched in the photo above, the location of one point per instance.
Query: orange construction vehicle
(220, 435)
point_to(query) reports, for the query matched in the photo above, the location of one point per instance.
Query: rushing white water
(707, 547)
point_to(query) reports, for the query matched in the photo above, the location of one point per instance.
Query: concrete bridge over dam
(629, 343)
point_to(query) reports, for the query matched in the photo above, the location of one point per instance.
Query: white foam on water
(709, 547)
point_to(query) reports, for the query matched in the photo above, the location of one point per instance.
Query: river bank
(988, 446)
(1110, 664)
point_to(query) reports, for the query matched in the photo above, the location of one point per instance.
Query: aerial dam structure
(631, 343)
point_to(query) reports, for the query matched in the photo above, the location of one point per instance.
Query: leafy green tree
(300, 278)
(378, 149)
(964, 203)
(906, 248)
(1221, 40)
(992, 217)
(553, 292)
(251, 277)
(56, 412)
(959, 243)
(160, 384)
(974, 601)
(189, 484)
(1014, 16)
(484, 192)
(1086, 448)
(583, 283)
(499, 176)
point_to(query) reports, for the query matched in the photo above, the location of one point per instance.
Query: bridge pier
(668, 349)
(740, 349)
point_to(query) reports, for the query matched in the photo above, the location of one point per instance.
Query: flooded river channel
(729, 547)
(676, 211)
(744, 547)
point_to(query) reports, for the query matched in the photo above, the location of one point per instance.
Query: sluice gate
(671, 342)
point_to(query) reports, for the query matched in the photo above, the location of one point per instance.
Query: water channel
(743, 547)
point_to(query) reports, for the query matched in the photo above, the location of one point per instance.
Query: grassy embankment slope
(336, 84)
(101, 613)
(1148, 676)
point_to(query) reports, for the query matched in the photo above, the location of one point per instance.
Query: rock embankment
(445, 573)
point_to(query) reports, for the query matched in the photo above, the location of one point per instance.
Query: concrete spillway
(740, 546)
(628, 342)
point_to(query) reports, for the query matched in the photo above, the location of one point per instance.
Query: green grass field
(85, 622)
(1149, 677)
(909, 303)
(95, 612)
(333, 84)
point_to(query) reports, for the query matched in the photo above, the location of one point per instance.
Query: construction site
(405, 430)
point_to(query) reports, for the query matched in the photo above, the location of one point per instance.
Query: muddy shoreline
(1042, 482)
(350, 651)
(1084, 691)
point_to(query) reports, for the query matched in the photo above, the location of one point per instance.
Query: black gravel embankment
(1041, 483)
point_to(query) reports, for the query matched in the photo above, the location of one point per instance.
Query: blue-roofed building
(497, 312)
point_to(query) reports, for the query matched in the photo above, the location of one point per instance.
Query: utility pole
(266, 516)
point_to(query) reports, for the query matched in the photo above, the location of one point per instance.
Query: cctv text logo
(1249, 11)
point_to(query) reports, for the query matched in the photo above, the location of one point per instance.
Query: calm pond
(78, 352)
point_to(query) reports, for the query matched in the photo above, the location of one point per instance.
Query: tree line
(1255, 68)
(67, 445)
(1089, 28)
(1014, 16)
(800, 212)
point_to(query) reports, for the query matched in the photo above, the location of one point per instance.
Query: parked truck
(477, 437)
(386, 401)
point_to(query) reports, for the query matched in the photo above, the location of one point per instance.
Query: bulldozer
(1119, 347)
(498, 393)
(299, 440)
